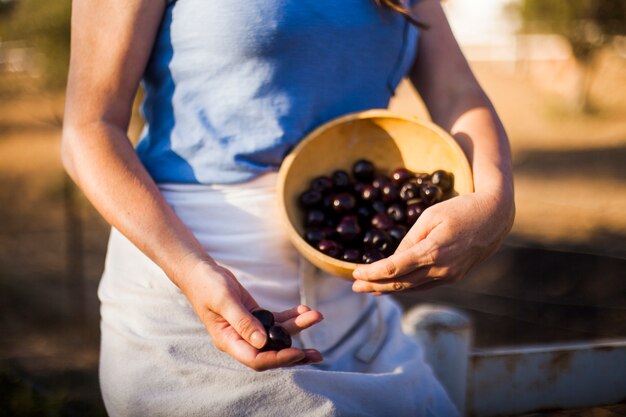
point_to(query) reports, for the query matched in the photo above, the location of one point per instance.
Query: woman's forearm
(101, 160)
(456, 102)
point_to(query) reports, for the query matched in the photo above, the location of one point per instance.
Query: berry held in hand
(277, 337)
(361, 218)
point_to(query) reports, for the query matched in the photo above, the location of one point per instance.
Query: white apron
(158, 360)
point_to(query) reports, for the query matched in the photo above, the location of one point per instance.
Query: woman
(230, 88)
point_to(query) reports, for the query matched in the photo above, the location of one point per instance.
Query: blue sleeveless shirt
(232, 86)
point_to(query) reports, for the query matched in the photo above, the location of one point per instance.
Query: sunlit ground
(571, 197)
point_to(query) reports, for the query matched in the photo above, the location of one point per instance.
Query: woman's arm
(111, 43)
(453, 236)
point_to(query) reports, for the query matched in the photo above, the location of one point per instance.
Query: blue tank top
(232, 86)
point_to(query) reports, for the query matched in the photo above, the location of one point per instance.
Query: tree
(588, 25)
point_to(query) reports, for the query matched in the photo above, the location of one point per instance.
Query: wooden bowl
(387, 139)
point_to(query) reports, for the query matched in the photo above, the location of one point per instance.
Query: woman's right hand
(224, 306)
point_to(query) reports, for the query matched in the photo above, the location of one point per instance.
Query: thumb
(245, 324)
(418, 232)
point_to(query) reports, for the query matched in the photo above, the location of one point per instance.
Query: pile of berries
(362, 218)
(277, 337)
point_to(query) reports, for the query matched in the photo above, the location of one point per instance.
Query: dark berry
(330, 233)
(277, 339)
(343, 202)
(409, 191)
(390, 193)
(372, 255)
(341, 179)
(310, 199)
(365, 214)
(363, 170)
(322, 184)
(348, 228)
(352, 255)
(422, 178)
(370, 193)
(314, 235)
(377, 239)
(398, 232)
(379, 207)
(382, 221)
(400, 175)
(315, 218)
(413, 212)
(430, 194)
(443, 179)
(265, 317)
(330, 248)
(359, 187)
(397, 212)
(380, 181)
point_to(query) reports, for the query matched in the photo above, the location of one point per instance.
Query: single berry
(322, 184)
(390, 193)
(343, 203)
(330, 248)
(409, 191)
(400, 175)
(379, 207)
(310, 199)
(413, 212)
(315, 218)
(382, 221)
(397, 212)
(370, 193)
(348, 228)
(443, 179)
(430, 194)
(352, 255)
(377, 239)
(380, 181)
(314, 235)
(363, 170)
(422, 178)
(277, 339)
(265, 317)
(398, 232)
(341, 179)
(372, 255)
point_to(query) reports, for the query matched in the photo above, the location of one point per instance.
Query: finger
(399, 263)
(410, 281)
(261, 361)
(303, 321)
(419, 231)
(244, 323)
(312, 356)
(291, 313)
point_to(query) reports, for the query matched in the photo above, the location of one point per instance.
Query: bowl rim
(367, 114)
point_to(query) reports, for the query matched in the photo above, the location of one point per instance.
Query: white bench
(499, 382)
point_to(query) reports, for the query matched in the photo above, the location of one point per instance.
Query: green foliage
(44, 25)
(587, 24)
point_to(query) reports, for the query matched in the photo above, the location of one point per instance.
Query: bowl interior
(388, 140)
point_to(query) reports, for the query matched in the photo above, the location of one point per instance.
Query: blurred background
(556, 72)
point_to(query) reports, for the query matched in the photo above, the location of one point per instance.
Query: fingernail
(257, 339)
(358, 286)
(357, 274)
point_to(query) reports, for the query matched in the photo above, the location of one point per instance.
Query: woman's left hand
(447, 240)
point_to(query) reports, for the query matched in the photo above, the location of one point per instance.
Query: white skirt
(158, 360)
